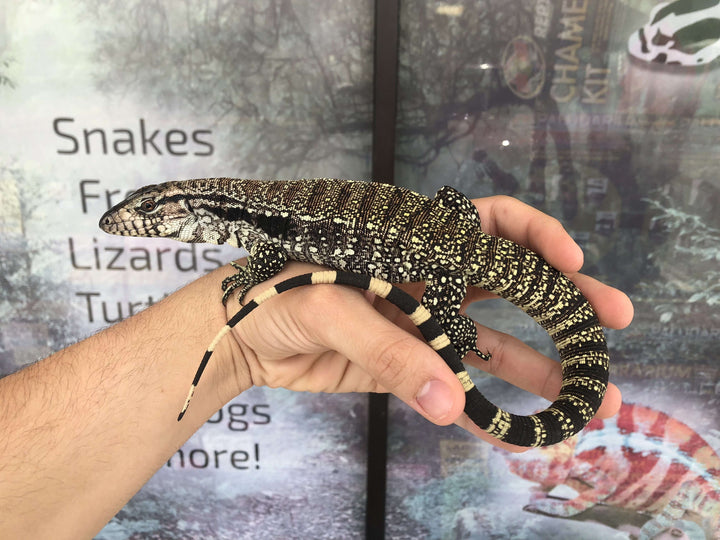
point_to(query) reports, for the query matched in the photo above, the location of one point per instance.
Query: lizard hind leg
(463, 332)
(443, 296)
(264, 261)
(450, 198)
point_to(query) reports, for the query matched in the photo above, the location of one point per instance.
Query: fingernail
(436, 399)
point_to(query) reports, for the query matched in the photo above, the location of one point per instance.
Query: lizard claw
(242, 278)
(231, 286)
(473, 348)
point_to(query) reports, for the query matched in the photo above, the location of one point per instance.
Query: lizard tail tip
(187, 403)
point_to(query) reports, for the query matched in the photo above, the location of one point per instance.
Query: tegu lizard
(395, 235)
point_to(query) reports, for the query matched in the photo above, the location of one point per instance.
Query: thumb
(398, 361)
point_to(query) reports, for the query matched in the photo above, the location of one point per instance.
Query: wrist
(227, 373)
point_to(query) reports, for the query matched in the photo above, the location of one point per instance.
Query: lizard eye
(147, 205)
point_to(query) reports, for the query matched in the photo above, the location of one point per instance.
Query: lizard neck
(226, 210)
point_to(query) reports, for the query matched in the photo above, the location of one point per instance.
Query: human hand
(335, 339)
(512, 360)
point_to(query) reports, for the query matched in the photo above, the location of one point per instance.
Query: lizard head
(156, 210)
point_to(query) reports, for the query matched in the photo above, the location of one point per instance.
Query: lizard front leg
(264, 261)
(443, 296)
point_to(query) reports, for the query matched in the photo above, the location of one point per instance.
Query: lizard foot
(463, 334)
(241, 270)
(443, 296)
(243, 278)
(264, 261)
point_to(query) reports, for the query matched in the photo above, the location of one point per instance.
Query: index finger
(512, 219)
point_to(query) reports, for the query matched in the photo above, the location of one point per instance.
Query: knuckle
(504, 200)
(327, 301)
(389, 359)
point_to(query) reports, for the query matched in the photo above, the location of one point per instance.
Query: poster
(100, 98)
(564, 104)
(605, 115)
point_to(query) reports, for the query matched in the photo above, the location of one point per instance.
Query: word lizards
(395, 235)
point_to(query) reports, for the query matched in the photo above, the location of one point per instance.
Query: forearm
(84, 429)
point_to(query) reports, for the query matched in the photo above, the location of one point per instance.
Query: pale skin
(84, 429)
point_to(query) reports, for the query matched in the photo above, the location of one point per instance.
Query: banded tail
(581, 394)
(525, 279)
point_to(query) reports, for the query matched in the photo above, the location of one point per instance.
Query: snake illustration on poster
(603, 114)
(98, 99)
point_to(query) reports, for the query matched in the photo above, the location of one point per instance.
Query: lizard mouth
(112, 223)
(107, 223)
